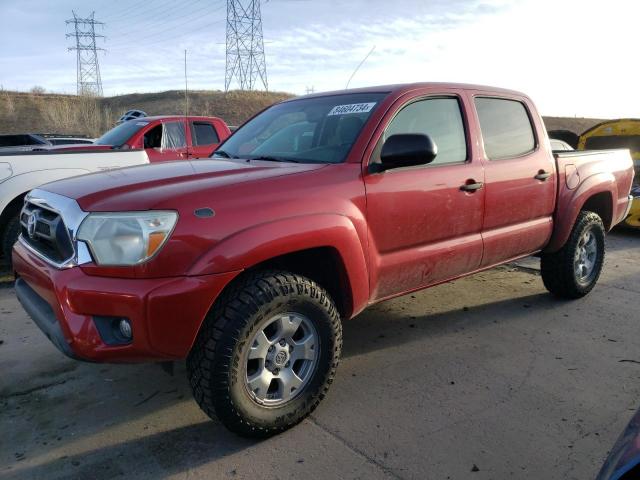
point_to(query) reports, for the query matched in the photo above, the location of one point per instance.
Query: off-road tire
(558, 272)
(214, 366)
(10, 236)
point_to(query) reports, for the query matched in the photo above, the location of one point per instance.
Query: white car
(23, 171)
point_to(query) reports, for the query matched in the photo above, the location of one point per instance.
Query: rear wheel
(266, 354)
(573, 271)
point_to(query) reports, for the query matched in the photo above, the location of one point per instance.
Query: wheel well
(322, 265)
(602, 204)
(14, 206)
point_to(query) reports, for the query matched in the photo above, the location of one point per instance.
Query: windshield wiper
(267, 158)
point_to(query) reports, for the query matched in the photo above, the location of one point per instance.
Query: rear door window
(506, 128)
(204, 134)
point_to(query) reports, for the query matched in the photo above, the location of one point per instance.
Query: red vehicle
(313, 210)
(164, 137)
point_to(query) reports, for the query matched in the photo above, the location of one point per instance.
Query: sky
(573, 57)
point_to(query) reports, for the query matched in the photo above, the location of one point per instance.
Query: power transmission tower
(245, 46)
(311, 89)
(89, 81)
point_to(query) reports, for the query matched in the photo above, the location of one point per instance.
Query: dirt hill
(576, 125)
(41, 112)
(37, 112)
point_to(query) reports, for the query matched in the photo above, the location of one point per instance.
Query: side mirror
(407, 150)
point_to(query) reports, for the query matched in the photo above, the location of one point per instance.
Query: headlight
(126, 238)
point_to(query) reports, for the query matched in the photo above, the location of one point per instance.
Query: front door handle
(542, 175)
(472, 186)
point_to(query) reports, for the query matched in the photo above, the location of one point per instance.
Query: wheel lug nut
(271, 348)
(287, 365)
(282, 342)
(276, 371)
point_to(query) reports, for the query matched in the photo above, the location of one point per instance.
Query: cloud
(570, 56)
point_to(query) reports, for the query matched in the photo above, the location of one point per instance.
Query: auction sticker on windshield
(352, 108)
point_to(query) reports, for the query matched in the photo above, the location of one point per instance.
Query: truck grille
(45, 232)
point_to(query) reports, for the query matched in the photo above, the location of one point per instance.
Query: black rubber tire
(213, 365)
(10, 236)
(557, 268)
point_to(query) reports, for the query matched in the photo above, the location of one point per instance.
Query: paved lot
(487, 371)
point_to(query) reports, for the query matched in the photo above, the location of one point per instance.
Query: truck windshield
(308, 130)
(119, 135)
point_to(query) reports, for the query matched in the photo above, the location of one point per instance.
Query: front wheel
(266, 354)
(573, 271)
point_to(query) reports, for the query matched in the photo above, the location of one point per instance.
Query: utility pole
(88, 70)
(245, 45)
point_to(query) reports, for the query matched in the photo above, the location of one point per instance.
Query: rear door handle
(471, 187)
(542, 175)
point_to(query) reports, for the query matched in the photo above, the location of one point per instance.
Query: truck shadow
(172, 451)
(137, 397)
(383, 326)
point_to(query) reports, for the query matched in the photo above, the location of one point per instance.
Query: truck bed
(578, 172)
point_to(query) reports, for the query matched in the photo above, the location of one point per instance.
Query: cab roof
(401, 88)
(172, 117)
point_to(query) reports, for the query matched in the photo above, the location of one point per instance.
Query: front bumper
(165, 313)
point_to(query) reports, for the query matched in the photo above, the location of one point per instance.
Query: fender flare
(571, 202)
(257, 244)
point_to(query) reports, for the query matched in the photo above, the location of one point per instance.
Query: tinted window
(506, 128)
(204, 134)
(119, 135)
(11, 140)
(440, 118)
(19, 140)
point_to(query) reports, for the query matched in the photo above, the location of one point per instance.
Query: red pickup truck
(316, 208)
(164, 138)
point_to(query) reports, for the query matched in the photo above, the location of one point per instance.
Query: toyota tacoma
(246, 265)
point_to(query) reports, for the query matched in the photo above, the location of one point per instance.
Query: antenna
(245, 60)
(358, 67)
(88, 69)
(186, 88)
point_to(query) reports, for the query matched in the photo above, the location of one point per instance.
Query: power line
(88, 69)
(126, 11)
(159, 16)
(245, 59)
(159, 33)
(172, 39)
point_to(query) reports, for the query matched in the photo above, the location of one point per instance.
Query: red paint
(392, 232)
(190, 150)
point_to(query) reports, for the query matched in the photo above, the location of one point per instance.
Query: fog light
(125, 328)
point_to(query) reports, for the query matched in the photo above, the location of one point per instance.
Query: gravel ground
(487, 377)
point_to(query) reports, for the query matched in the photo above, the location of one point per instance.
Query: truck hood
(147, 187)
